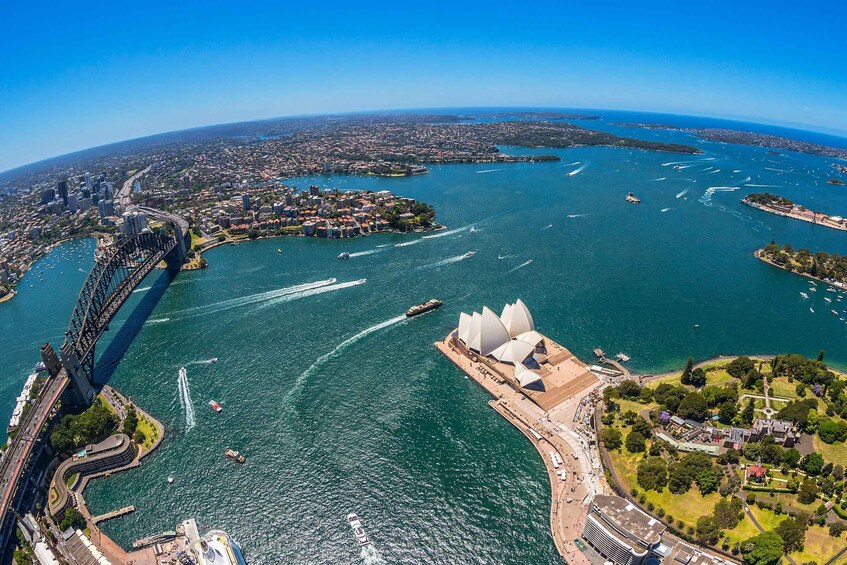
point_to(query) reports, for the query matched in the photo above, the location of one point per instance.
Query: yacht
(812, 310)
(358, 529)
(233, 455)
(804, 295)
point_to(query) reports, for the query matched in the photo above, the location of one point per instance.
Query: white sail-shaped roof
(493, 333)
(474, 332)
(532, 337)
(464, 327)
(517, 319)
(525, 376)
(513, 351)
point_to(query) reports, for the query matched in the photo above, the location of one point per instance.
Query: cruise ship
(418, 309)
(217, 548)
(358, 529)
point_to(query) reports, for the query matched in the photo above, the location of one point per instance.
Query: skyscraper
(245, 201)
(63, 190)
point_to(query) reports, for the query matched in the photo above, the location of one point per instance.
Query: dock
(113, 514)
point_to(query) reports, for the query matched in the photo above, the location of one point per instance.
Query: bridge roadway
(20, 449)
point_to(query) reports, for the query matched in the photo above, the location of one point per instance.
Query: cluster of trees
(804, 413)
(424, 216)
(768, 199)
(654, 473)
(72, 519)
(77, 430)
(130, 426)
(726, 516)
(820, 264)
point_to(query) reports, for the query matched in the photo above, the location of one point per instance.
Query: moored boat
(418, 309)
(233, 455)
(215, 406)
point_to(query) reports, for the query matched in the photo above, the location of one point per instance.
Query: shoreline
(796, 216)
(758, 254)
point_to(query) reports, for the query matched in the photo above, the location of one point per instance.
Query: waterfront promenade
(583, 477)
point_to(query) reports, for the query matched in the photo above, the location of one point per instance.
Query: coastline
(798, 216)
(758, 254)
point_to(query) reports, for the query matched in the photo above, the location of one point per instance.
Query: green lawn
(70, 480)
(819, 547)
(636, 407)
(150, 431)
(746, 529)
(835, 453)
(719, 377)
(686, 507)
(781, 387)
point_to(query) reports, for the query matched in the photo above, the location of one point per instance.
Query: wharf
(113, 514)
(549, 429)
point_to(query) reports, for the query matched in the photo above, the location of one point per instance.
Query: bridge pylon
(82, 393)
(175, 259)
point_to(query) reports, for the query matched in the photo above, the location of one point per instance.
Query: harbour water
(341, 404)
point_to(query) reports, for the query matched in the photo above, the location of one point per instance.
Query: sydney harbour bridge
(116, 273)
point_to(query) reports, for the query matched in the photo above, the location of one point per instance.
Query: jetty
(113, 514)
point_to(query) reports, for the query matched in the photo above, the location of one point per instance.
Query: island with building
(782, 206)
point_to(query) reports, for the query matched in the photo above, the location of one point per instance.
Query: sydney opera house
(509, 344)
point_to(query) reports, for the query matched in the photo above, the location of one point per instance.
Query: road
(124, 194)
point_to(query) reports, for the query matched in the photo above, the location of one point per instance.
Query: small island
(830, 268)
(836, 181)
(782, 206)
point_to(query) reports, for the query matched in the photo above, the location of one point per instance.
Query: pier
(113, 514)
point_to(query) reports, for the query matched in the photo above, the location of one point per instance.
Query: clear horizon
(78, 77)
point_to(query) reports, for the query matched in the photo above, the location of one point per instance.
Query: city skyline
(80, 77)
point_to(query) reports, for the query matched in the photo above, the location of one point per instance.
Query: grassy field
(719, 377)
(150, 431)
(819, 547)
(686, 507)
(197, 240)
(781, 387)
(634, 406)
(836, 453)
(746, 529)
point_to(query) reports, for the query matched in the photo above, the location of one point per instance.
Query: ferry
(344, 255)
(418, 309)
(358, 529)
(215, 406)
(233, 455)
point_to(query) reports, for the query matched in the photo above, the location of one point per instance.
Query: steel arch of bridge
(109, 284)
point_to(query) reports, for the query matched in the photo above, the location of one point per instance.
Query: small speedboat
(170, 480)
(215, 406)
(804, 295)
(278, 250)
(343, 256)
(358, 529)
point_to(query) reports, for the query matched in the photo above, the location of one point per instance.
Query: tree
(740, 366)
(629, 389)
(764, 549)
(693, 407)
(642, 427)
(139, 437)
(728, 512)
(686, 372)
(748, 413)
(72, 519)
(707, 481)
(812, 463)
(728, 411)
(611, 438)
(837, 528)
(791, 457)
(808, 492)
(707, 530)
(130, 421)
(652, 474)
(698, 378)
(635, 442)
(793, 534)
(821, 353)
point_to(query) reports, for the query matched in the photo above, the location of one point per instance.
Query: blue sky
(80, 74)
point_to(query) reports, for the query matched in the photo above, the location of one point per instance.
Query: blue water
(341, 404)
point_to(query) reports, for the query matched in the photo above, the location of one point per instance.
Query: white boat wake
(569, 164)
(407, 243)
(665, 209)
(370, 556)
(713, 172)
(142, 289)
(447, 261)
(368, 252)
(445, 233)
(488, 171)
(204, 361)
(501, 257)
(158, 320)
(764, 185)
(707, 196)
(521, 266)
(185, 398)
(686, 162)
(683, 193)
(660, 178)
(312, 292)
(577, 215)
(254, 298)
(340, 348)
(579, 169)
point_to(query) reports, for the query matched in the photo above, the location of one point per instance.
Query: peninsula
(830, 268)
(784, 207)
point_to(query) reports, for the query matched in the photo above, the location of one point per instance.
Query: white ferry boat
(358, 529)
